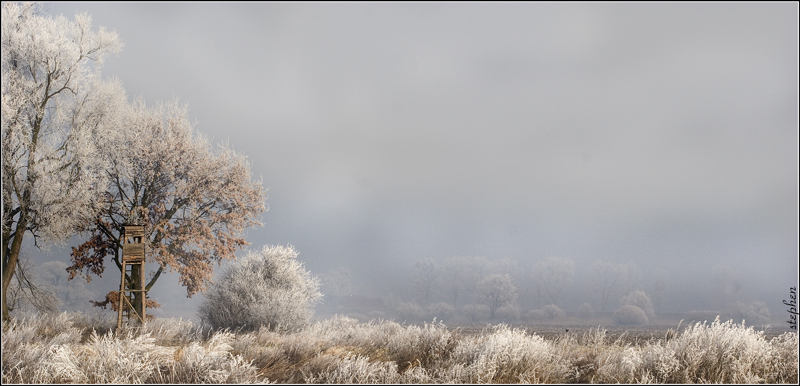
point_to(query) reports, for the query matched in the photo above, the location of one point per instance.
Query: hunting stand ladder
(132, 240)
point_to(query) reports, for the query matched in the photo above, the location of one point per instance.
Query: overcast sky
(664, 134)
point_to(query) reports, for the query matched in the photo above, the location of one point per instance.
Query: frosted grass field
(73, 348)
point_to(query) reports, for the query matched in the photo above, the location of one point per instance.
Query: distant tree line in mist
(478, 289)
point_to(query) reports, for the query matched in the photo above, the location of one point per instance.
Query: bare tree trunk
(11, 258)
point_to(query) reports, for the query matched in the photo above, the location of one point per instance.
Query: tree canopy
(194, 199)
(54, 104)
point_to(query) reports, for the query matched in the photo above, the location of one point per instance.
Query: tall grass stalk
(62, 349)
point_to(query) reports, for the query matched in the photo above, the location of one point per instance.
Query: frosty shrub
(421, 346)
(630, 315)
(119, 359)
(267, 287)
(331, 329)
(344, 330)
(210, 362)
(585, 311)
(554, 312)
(641, 300)
(355, 369)
(728, 353)
(505, 355)
(172, 331)
(35, 349)
(786, 346)
(49, 349)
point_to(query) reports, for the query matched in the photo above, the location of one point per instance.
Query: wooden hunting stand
(132, 240)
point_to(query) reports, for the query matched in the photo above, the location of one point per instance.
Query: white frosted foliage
(54, 106)
(267, 287)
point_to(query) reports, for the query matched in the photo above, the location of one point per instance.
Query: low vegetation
(268, 287)
(72, 348)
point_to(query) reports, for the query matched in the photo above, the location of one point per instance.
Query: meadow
(76, 348)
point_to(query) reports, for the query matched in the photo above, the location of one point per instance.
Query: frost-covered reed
(49, 349)
(59, 349)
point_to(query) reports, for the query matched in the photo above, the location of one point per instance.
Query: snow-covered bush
(639, 299)
(727, 352)
(505, 355)
(554, 312)
(267, 287)
(630, 315)
(785, 364)
(421, 346)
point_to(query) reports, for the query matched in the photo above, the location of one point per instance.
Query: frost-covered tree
(554, 274)
(28, 292)
(455, 277)
(54, 106)
(630, 277)
(195, 200)
(607, 278)
(426, 279)
(496, 291)
(506, 266)
(267, 287)
(460, 275)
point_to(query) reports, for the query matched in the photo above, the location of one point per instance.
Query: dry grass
(63, 349)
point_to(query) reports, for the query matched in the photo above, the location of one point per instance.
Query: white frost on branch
(54, 104)
(267, 287)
